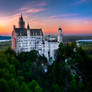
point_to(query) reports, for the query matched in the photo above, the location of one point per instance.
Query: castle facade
(25, 39)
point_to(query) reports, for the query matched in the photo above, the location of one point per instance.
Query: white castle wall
(53, 46)
(28, 43)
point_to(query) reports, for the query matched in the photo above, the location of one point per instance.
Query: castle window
(33, 34)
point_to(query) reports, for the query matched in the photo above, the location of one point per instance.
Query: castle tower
(28, 30)
(21, 22)
(60, 35)
(28, 36)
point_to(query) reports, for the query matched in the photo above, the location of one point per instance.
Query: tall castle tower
(60, 35)
(21, 22)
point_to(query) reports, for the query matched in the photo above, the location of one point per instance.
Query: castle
(27, 39)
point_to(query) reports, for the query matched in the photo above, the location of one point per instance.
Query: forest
(71, 71)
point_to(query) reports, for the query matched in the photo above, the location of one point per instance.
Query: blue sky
(75, 11)
(53, 7)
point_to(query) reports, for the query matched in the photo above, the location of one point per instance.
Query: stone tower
(28, 30)
(60, 35)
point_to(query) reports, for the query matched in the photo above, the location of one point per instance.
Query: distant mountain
(5, 37)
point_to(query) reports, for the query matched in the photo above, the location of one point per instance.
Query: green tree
(4, 86)
(55, 88)
(13, 85)
(24, 88)
(73, 86)
(37, 89)
(34, 86)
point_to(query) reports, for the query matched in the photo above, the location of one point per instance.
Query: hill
(5, 37)
(72, 38)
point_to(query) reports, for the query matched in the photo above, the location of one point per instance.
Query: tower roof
(60, 29)
(28, 27)
(21, 17)
(21, 22)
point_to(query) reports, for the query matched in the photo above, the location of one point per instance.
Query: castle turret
(28, 27)
(21, 22)
(28, 30)
(60, 35)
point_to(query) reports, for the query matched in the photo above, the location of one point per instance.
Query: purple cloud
(33, 7)
(80, 2)
(64, 15)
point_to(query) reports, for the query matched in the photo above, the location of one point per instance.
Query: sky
(73, 16)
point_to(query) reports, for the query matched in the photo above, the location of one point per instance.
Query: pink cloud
(34, 10)
(41, 4)
(33, 7)
(23, 9)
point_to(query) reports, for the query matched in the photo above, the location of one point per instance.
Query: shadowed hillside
(72, 38)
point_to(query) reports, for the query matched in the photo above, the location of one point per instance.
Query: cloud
(31, 10)
(41, 4)
(83, 0)
(34, 10)
(64, 15)
(34, 4)
(33, 7)
(23, 9)
(78, 2)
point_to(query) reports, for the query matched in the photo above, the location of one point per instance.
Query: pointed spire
(14, 26)
(28, 27)
(21, 17)
(21, 22)
(21, 13)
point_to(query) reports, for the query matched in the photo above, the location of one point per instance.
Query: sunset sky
(73, 16)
